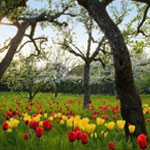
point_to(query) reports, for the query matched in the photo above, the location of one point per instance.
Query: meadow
(49, 123)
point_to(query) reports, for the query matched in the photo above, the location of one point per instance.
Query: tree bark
(12, 49)
(131, 105)
(86, 85)
(56, 88)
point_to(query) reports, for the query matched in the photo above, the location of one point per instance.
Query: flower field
(64, 125)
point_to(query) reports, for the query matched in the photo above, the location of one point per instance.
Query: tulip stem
(72, 146)
(38, 143)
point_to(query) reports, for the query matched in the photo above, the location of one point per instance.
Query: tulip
(5, 126)
(26, 136)
(84, 138)
(71, 136)
(142, 141)
(99, 121)
(111, 146)
(90, 128)
(51, 118)
(121, 124)
(131, 128)
(76, 128)
(45, 115)
(69, 123)
(78, 135)
(110, 125)
(62, 122)
(13, 123)
(47, 125)
(34, 124)
(39, 132)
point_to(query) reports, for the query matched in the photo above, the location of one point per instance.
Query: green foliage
(25, 75)
(138, 47)
(12, 9)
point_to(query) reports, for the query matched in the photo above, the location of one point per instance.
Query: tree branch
(35, 39)
(89, 30)
(143, 1)
(106, 2)
(78, 50)
(100, 60)
(5, 47)
(95, 53)
(143, 20)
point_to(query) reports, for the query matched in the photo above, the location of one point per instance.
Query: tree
(11, 7)
(61, 63)
(91, 54)
(26, 20)
(25, 75)
(131, 105)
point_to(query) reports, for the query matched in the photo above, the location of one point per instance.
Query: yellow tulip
(9, 130)
(104, 134)
(85, 121)
(95, 135)
(51, 118)
(131, 128)
(37, 118)
(99, 121)
(81, 126)
(121, 124)
(77, 117)
(13, 123)
(110, 125)
(59, 115)
(69, 123)
(45, 115)
(62, 122)
(90, 128)
(41, 123)
(64, 117)
(55, 115)
(27, 118)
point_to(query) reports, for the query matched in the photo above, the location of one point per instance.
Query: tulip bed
(47, 124)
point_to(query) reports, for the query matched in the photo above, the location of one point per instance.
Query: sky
(9, 31)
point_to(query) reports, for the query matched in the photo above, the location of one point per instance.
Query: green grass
(57, 139)
(96, 99)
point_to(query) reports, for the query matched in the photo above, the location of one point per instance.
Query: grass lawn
(96, 99)
(64, 112)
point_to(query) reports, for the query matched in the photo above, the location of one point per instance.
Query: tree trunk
(56, 89)
(30, 95)
(12, 49)
(131, 105)
(86, 85)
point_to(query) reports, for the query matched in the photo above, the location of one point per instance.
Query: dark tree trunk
(56, 89)
(30, 95)
(12, 49)
(86, 86)
(131, 105)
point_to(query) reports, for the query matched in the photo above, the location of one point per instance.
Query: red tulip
(47, 125)
(142, 141)
(78, 135)
(114, 117)
(93, 117)
(34, 124)
(71, 136)
(76, 129)
(5, 126)
(111, 145)
(39, 131)
(84, 138)
(26, 136)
